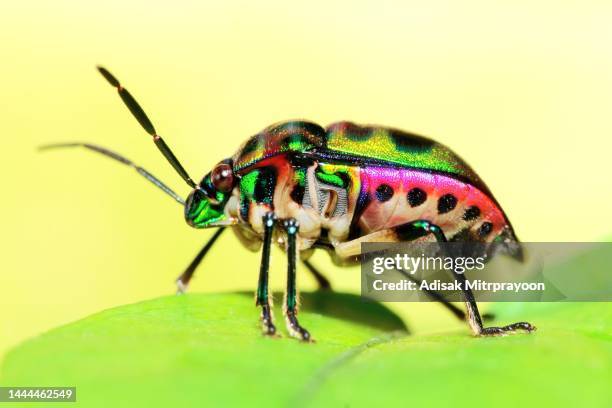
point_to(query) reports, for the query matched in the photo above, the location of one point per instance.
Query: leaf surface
(207, 350)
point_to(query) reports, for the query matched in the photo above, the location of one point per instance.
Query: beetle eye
(222, 178)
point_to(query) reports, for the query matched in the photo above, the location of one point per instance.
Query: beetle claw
(509, 329)
(269, 329)
(297, 331)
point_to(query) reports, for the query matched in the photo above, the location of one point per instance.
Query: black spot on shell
(416, 197)
(446, 203)
(286, 142)
(409, 142)
(471, 213)
(251, 145)
(485, 229)
(264, 185)
(301, 128)
(384, 192)
(357, 133)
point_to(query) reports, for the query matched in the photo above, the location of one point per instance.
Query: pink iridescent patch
(397, 210)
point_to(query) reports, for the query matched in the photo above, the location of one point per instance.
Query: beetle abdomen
(394, 197)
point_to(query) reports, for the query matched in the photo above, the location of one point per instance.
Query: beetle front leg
(291, 226)
(182, 282)
(269, 220)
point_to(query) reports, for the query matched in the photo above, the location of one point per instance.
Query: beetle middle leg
(291, 227)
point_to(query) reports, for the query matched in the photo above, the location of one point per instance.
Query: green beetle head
(205, 206)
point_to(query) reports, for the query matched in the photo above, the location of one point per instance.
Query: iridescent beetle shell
(349, 184)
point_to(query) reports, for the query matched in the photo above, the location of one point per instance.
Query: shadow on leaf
(349, 307)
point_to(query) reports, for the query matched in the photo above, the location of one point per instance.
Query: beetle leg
(418, 229)
(321, 280)
(353, 248)
(474, 319)
(182, 282)
(458, 312)
(291, 226)
(269, 220)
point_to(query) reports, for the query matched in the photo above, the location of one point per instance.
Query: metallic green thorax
(277, 139)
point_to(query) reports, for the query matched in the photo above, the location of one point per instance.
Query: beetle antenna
(144, 121)
(121, 159)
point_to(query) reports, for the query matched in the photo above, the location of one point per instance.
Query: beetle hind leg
(474, 319)
(511, 328)
(322, 281)
(291, 227)
(418, 229)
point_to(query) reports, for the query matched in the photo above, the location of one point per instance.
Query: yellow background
(522, 90)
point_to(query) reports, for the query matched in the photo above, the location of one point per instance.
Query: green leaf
(194, 349)
(207, 350)
(565, 363)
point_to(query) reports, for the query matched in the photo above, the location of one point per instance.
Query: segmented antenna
(146, 124)
(120, 159)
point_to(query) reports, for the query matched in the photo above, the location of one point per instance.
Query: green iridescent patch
(257, 186)
(203, 213)
(395, 147)
(247, 183)
(247, 191)
(335, 175)
(299, 176)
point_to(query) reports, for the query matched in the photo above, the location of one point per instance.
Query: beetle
(307, 187)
